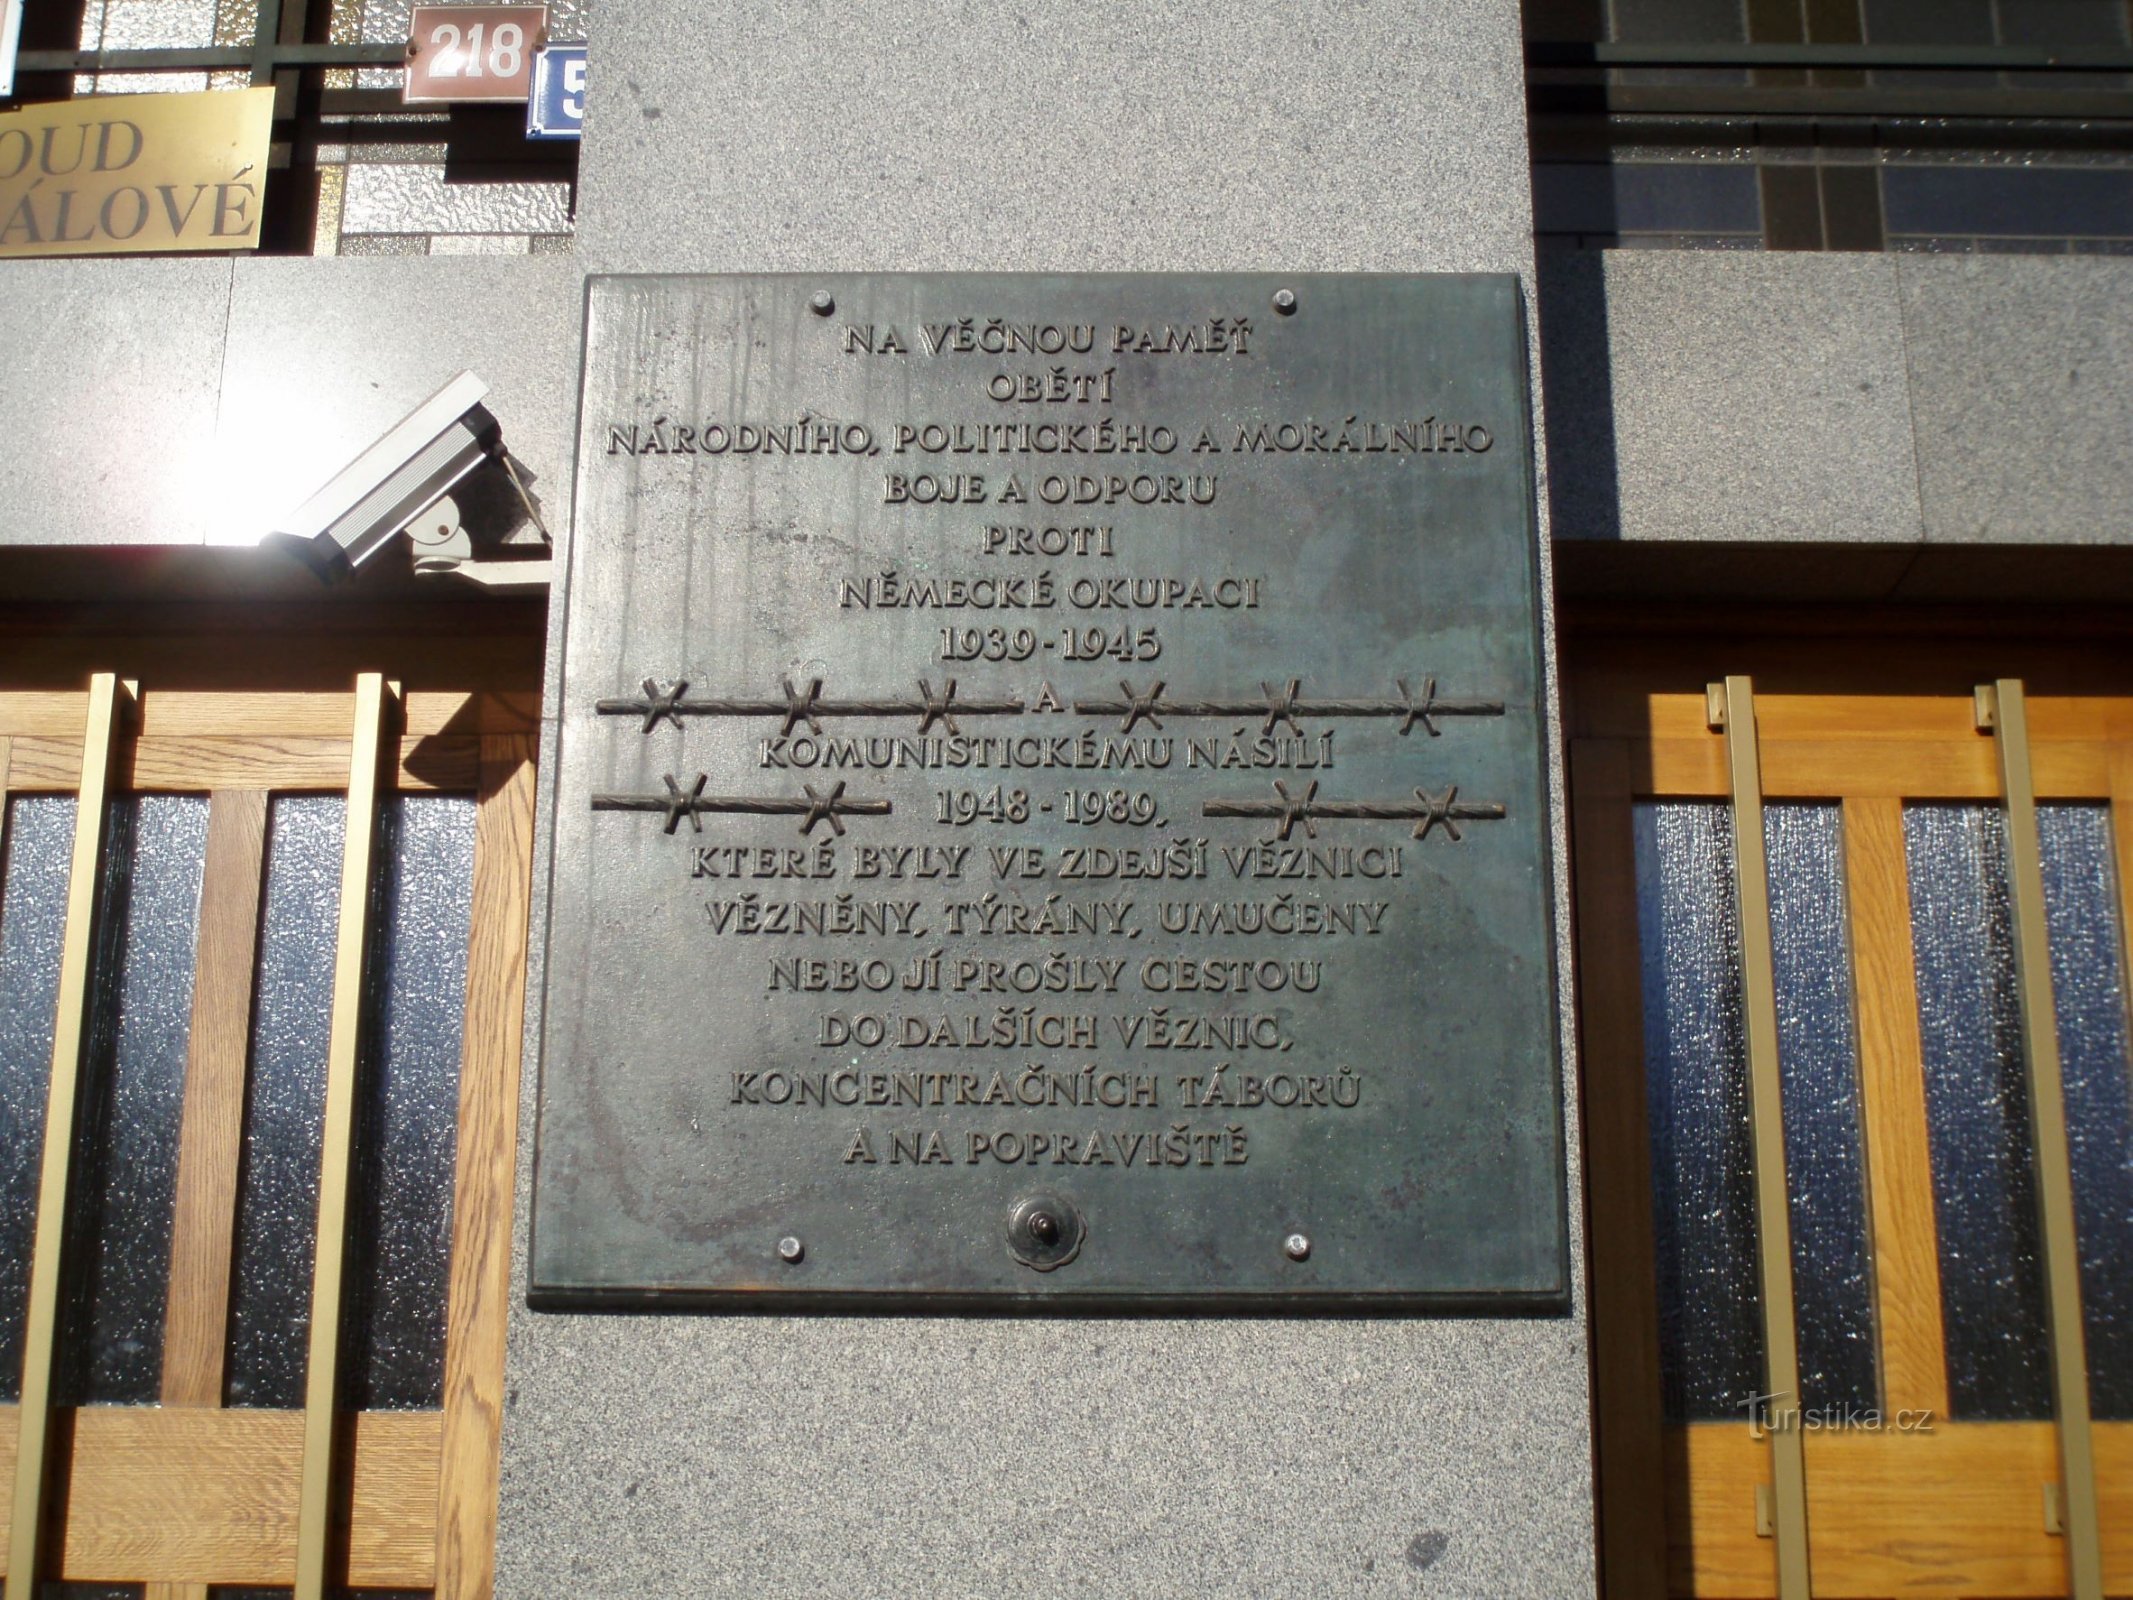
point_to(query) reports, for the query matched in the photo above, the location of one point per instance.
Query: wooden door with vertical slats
(1957, 1506)
(193, 1491)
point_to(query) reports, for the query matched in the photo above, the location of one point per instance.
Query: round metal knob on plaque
(1044, 1231)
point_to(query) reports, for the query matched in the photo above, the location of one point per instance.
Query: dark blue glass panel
(1594, 197)
(125, 1177)
(1930, 22)
(1697, 1097)
(1977, 1112)
(401, 1229)
(400, 1222)
(2009, 202)
(2089, 989)
(2062, 22)
(33, 920)
(1818, 1056)
(1696, 1088)
(1680, 21)
(285, 1101)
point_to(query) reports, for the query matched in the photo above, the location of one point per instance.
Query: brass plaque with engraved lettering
(1052, 806)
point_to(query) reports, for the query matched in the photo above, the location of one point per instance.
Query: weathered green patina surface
(1051, 810)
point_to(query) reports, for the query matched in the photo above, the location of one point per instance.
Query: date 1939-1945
(1074, 644)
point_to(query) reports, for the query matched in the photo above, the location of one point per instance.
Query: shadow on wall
(1577, 388)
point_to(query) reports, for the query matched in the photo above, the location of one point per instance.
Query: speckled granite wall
(245, 384)
(1844, 398)
(758, 1456)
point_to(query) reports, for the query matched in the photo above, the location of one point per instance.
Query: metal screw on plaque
(790, 1249)
(1297, 1247)
(1285, 302)
(1044, 1231)
(820, 303)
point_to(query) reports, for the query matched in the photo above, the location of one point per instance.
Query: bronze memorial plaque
(1051, 810)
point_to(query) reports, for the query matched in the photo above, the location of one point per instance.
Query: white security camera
(406, 474)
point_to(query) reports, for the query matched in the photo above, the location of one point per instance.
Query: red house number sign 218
(472, 52)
